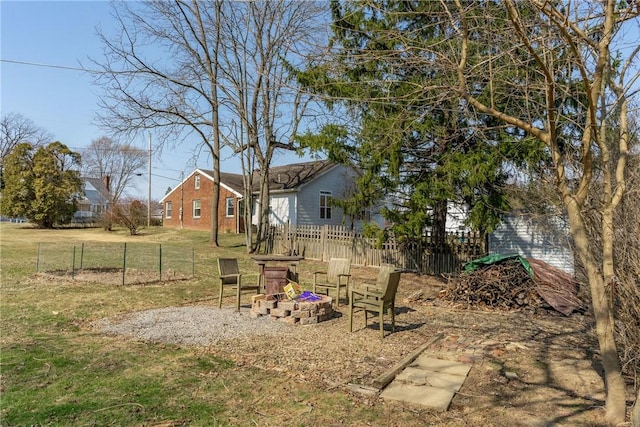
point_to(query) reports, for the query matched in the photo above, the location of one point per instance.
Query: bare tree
(119, 162)
(15, 128)
(222, 71)
(160, 72)
(264, 43)
(130, 213)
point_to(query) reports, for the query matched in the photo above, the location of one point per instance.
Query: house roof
(293, 176)
(232, 181)
(281, 178)
(100, 194)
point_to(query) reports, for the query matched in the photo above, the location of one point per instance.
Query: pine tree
(42, 185)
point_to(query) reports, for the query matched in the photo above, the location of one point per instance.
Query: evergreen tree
(414, 140)
(42, 185)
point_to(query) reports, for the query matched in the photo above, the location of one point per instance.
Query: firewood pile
(507, 285)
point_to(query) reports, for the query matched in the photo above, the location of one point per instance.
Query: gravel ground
(199, 326)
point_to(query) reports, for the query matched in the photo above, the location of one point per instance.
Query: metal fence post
(82, 256)
(124, 263)
(160, 260)
(38, 259)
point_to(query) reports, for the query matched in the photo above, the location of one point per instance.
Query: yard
(60, 366)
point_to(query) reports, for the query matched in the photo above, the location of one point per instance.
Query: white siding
(549, 243)
(282, 209)
(457, 213)
(302, 206)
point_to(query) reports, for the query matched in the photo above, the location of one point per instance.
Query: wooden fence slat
(422, 256)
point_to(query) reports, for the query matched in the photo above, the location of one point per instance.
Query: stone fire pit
(279, 307)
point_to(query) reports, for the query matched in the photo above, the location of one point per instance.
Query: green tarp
(495, 259)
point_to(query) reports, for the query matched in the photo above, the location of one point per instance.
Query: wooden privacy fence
(421, 256)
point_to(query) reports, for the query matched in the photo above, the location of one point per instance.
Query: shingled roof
(101, 189)
(289, 177)
(281, 178)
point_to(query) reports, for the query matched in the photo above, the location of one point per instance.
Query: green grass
(57, 370)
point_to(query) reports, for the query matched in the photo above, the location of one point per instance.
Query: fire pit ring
(280, 307)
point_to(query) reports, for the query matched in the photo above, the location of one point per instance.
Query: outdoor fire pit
(303, 312)
(275, 279)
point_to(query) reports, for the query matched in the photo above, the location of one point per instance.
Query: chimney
(106, 180)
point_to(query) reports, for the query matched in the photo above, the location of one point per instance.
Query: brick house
(188, 205)
(299, 194)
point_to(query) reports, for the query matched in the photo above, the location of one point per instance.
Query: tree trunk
(635, 413)
(603, 313)
(262, 209)
(439, 224)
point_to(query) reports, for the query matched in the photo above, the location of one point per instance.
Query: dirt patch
(527, 369)
(113, 276)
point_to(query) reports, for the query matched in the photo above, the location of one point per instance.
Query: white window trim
(326, 208)
(226, 207)
(199, 208)
(168, 210)
(196, 180)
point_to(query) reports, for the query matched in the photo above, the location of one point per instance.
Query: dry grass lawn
(528, 370)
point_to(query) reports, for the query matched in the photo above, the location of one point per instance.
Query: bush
(131, 214)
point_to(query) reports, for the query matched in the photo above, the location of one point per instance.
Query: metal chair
(230, 276)
(379, 298)
(336, 277)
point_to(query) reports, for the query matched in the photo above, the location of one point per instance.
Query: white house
(300, 193)
(94, 201)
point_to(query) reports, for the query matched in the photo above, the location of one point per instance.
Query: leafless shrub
(131, 214)
(626, 286)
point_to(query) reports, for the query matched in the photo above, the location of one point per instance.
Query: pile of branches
(508, 286)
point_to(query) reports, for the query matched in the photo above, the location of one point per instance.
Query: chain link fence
(117, 263)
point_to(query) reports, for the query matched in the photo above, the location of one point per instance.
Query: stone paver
(441, 365)
(429, 380)
(418, 376)
(433, 397)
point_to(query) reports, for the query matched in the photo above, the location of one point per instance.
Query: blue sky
(64, 101)
(61, 100)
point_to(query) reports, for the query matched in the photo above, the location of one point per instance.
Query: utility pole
(181, 199)
(149, 193)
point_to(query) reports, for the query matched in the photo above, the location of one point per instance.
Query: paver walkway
(428, 381)
(435, 376)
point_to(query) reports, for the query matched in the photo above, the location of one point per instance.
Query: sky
(43, 46)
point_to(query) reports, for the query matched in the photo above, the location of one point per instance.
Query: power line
(59, 67)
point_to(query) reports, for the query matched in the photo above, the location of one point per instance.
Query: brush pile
(508, 285)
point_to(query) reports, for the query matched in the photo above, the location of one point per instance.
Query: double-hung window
(168, 210)
(196, 209)
(196, 180)
(230, 206)
(325, 208)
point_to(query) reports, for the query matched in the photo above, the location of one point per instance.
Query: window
(168, 210)
(230, 206)
(325, 209)
(196, 180)
(196, 208)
